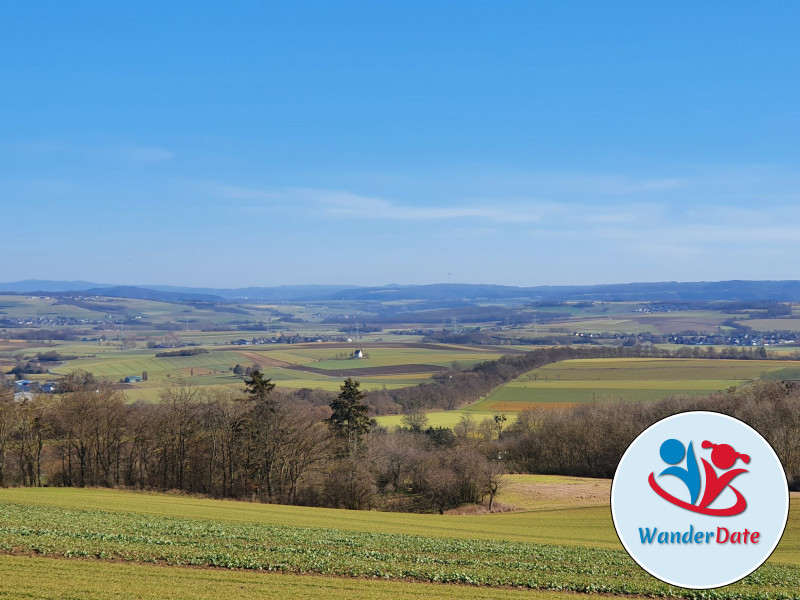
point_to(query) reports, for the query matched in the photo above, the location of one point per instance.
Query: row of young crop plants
(150, 539)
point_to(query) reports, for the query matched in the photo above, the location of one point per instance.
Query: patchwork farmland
(321, 365)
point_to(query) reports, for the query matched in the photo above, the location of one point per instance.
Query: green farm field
(575, 548)
(591, 524)
(773, 324)
(444, 418)
(570, 382)
(621, 318)
(575, 381)
(45, 578)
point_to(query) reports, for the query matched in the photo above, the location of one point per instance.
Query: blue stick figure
(672, 452)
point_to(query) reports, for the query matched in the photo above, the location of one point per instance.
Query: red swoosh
(736, 509)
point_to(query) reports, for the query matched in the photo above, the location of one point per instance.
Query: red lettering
(736, 537)
(720, 539)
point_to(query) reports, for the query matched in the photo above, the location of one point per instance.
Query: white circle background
(635, 505)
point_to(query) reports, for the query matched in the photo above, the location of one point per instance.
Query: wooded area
(320, 449)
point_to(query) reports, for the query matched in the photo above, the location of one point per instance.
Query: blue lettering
(692, 536)
(687, 537)
(647, 538)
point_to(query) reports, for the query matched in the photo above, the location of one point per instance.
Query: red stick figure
(724, 457)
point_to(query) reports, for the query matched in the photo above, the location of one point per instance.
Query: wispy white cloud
(27, 148)
(627, 214)
(356, 206)
(148, 154)
(344, 204)
(235, 192)
(705, 223)
(564, 185)
(659, 184)
(614, 210)
(125, 152)
(471, 233)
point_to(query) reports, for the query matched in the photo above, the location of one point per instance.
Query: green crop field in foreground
(177, 541)
(582, 526)
(55, 579)
(491, 550)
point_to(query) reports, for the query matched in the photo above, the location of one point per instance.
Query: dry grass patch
(544, 492)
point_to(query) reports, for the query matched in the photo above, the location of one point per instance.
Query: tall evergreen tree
(259, 386)
(265, 425)
(349, 419)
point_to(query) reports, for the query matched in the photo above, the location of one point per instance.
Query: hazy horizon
(78, 285)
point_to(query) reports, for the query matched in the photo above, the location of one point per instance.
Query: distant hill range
(737, 290)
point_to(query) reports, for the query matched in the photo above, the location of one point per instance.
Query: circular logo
(699, 500)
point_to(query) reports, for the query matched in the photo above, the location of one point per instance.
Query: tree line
(257, 444)
(589, 440)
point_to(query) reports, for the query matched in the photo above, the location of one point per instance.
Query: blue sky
(523, 143)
